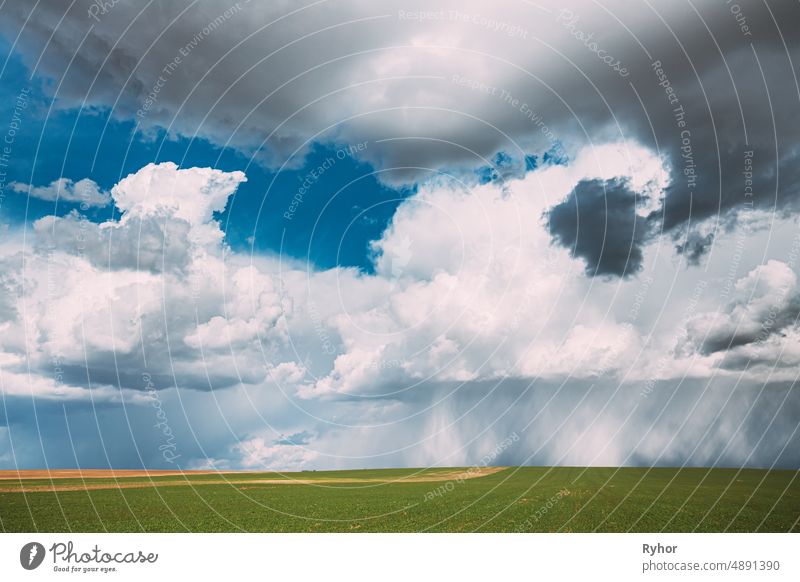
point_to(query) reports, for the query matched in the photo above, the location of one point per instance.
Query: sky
(323, 235)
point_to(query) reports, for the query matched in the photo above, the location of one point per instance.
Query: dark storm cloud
(598, 223)
(600, 423)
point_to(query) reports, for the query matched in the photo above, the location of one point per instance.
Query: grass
(542, 499)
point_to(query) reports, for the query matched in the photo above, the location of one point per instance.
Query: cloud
(85, 192)
(460, 324)
(145, 244)
(472, 285)
(450, 91)
(192, 194)
(258, 454)
(166, 219)
(758, 326)
(464, 288)
(53, 388)
(598, 222)
(158, 291)
(113, 300)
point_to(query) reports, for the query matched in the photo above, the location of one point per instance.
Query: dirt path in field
(225, 479)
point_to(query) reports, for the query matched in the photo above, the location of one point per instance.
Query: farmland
(486, 499)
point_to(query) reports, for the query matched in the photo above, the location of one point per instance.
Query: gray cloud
(758, 326)
(151, 243)
(601, 423)
(598, 222)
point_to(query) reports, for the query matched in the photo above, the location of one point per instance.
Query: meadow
(502, 499)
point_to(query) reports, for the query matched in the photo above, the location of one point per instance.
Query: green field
(531, 499)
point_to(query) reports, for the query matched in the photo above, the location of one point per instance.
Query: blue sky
(90, 143)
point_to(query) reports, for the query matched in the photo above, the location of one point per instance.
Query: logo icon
(31, 555)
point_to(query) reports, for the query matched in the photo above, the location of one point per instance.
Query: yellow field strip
(421, 478)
